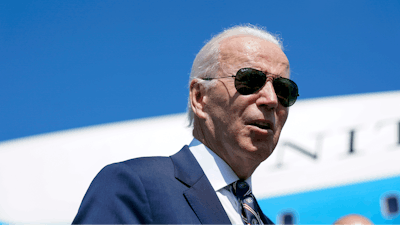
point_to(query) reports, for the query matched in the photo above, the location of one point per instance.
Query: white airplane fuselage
(336, 156)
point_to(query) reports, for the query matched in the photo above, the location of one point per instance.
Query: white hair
(206, 63)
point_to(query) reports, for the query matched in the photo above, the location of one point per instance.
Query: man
(238, 104)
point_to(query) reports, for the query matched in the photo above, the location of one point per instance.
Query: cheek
(219, 113)
(220, 106)
(281, 116)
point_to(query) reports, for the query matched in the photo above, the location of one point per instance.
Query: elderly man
(238, 104)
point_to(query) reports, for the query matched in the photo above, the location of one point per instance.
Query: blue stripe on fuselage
(324, 206)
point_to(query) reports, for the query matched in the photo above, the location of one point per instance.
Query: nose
(267, 96)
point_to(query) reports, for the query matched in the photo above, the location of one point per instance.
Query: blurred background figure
(353, 219)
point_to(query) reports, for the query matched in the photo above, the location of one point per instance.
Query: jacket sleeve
(115, 196)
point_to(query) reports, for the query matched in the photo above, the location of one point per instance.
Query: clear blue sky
(69, 64)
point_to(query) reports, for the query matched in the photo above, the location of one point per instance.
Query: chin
(260, 147)
(265, 153)
(260, 150)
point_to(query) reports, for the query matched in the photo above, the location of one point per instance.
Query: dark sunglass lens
(286, 90)
(249, 81)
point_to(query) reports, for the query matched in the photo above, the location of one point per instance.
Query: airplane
(336, 156)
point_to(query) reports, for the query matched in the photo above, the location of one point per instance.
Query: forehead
(247, 51)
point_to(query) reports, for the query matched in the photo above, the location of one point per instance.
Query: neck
(241, 165)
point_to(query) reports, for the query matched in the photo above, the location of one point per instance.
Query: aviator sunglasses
(249, 81)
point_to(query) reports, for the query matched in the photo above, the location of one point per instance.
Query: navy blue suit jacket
(153, 190)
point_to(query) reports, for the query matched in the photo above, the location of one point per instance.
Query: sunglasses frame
(244, 88)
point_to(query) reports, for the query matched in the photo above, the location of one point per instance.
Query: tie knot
(241, 189)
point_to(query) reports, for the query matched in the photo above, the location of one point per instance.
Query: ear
(197, 97)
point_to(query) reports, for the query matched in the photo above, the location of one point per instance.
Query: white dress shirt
(220, 175)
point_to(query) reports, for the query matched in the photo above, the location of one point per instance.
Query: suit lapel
(200, 195)
(265, 219)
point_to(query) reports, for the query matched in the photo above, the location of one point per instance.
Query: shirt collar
(218, 172)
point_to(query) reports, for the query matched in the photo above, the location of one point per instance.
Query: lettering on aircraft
(315, 154)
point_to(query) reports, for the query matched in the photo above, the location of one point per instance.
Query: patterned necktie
(249, 207)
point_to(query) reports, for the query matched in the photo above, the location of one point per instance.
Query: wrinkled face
(246, 126)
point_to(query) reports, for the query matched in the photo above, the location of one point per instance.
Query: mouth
(264, 125)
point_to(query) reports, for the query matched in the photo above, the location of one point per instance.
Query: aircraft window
(392, 204)
(287, 218)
